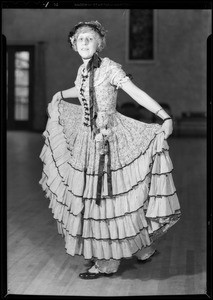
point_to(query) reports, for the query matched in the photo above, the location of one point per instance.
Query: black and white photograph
(106, 162)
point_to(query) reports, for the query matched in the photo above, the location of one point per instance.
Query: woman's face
(87, 43)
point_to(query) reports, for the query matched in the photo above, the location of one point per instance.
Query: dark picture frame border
(91, 4)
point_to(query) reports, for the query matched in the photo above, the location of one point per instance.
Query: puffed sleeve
(117, 75)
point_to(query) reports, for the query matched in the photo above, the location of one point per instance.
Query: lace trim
(154, 236)
(174, 217)
(107, 259)
(102, 239)
(104, 172)
(112, 218)
(160, 196)
(114, 195)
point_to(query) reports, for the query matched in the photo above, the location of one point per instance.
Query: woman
(108, 177)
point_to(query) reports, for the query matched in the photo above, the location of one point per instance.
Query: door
(20, 63)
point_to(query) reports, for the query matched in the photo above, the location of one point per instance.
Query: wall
(178, 76)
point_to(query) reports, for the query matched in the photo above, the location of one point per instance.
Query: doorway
(20, 69)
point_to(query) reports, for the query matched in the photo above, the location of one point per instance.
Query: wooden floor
(38, 264)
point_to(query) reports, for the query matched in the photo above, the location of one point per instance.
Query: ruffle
(104, 249)
(144, 203)
(81, 184)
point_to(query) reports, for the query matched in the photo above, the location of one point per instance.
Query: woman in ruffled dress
(107, 176)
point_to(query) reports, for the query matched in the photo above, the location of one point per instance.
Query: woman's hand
(56, 98)
(167, 128)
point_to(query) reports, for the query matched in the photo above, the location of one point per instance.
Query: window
(19, 86)
(22, 85)
(141, 31)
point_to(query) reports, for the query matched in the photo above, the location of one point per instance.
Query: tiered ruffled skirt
(144, 204)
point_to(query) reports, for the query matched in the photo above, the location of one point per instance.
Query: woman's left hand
(166, 127)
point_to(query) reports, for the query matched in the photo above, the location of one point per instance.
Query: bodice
(107, 79)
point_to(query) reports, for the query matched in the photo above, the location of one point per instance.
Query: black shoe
(143, 261)
(89, 275)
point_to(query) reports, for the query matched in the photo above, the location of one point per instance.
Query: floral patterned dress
(138, 200)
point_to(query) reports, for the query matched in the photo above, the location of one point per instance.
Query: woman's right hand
(56, 98)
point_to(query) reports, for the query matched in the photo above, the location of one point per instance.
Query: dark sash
(92, 64)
